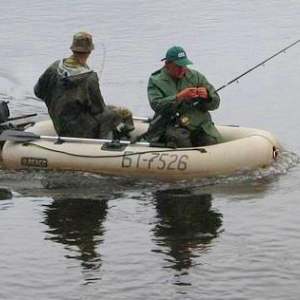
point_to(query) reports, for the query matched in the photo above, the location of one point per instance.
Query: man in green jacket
(181, 98)
(72, 94)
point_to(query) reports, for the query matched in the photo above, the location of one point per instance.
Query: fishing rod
(223, 86)
(258, 65)
(145, 119)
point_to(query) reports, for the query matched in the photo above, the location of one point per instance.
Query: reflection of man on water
(78, 223)
(187, 224)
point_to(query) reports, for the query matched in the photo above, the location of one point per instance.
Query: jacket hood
(72, 75)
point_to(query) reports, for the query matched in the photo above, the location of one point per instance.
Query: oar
(21, 117)
(26, 136)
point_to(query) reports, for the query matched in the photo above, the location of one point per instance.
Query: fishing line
(103, 59)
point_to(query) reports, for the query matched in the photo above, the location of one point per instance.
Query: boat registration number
(155, 160)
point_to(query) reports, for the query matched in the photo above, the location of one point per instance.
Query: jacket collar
(165, 75)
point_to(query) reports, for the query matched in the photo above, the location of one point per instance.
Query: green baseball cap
(177, 55)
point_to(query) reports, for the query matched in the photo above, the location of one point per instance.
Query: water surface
(68, 235)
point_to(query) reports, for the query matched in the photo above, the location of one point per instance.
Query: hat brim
(182, 62)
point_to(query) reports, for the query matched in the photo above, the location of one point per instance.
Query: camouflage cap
(82, 42)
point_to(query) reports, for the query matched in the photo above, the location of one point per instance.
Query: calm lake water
(81, 236)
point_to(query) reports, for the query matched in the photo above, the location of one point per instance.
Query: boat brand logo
(34, 162)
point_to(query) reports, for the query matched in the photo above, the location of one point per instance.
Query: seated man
(181, 98)
(72, 94)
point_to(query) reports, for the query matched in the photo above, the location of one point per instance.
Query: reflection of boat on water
(38, 147)
(77, 224)
(186, 226)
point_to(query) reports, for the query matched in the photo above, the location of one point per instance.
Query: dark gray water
(81, 236)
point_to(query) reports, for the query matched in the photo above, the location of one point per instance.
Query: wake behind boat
(38, 147)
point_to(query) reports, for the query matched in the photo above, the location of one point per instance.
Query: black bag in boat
(4, 112)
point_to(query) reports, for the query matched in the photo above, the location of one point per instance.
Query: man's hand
(188, 93)
(202, 93)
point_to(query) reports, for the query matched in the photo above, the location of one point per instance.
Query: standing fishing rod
(258, 65)
(103, 60)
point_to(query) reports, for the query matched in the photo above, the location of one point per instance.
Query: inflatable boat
(38, 147)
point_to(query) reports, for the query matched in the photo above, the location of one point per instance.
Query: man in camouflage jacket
(72, 94)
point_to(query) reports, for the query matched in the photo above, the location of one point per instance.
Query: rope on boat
(200, 150)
